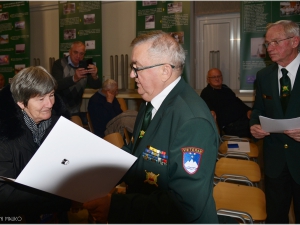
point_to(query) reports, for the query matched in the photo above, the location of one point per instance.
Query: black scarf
(38, 130)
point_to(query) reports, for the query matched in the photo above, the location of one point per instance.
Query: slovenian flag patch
(191, 159)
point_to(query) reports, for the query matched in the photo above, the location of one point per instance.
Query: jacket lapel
(294, 99)
(156, 121)
(275, 90)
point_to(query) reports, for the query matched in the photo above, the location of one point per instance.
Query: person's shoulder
(205, 90)
(268, 69)
(60, 61)
(96, 98)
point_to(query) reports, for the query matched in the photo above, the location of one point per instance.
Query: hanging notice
(254, 18)
(172, 17)
(81, 21)
(14, 38)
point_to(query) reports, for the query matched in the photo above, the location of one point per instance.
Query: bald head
(215, 78)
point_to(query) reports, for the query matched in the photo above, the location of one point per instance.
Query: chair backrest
(91, 128)
(123, 104)
(77, 120)
(115, 139)
(240, 198)
(126, 136)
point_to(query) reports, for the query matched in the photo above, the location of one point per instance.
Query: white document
(279, 125)
(236, 146)
(76, 164)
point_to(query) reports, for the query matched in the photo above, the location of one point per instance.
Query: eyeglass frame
(275, 43)
(136, 69)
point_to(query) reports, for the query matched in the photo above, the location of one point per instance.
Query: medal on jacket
(151, 178)
(142, 133)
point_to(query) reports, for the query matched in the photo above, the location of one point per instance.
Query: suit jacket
(168, 192)
(278, 148)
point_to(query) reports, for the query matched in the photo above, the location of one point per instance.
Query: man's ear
(295, 42)
(167, 72)
(21, 105)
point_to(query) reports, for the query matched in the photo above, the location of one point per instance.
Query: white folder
(76, 164)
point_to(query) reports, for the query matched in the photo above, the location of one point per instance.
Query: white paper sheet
(243, 146)
(279, 125)
(93, 168)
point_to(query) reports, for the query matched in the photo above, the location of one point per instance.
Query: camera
(85, 63)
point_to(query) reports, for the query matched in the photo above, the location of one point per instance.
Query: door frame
(234, 67)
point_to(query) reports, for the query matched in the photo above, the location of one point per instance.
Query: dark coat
(102, 112)
(16, 149)
(279, 149)
(182, 125)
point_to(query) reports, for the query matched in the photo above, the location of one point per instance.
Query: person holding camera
(72, 79)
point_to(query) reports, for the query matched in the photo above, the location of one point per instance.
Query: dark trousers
(240, 128)
(279, 193)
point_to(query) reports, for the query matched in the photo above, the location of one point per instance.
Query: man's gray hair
(77, 43)
(109, 84)
(291, 28)
(31, 82)
(164, 48)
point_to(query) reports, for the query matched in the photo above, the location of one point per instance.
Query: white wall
(118, 26)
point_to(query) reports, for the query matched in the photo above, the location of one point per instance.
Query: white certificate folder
(76, 164)
(279, 125)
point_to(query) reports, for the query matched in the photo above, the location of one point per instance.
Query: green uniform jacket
(171, 194)
(278, 148)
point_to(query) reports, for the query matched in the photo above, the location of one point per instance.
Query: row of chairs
(236, 191)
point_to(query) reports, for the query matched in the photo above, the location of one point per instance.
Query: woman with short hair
(29, 109)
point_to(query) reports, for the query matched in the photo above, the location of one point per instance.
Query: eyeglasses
(80, 53)
(275, 43)
(215, 77)
(136, 69)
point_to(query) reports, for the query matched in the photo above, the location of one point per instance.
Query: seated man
(231, 114)
(103, 106)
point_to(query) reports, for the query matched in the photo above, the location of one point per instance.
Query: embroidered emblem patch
(191, 159)
(151, 178)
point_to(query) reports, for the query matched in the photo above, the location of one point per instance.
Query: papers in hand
(76, 164)
(279, 125)
(235, 146)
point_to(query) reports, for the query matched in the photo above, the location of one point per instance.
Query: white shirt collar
(292, 68)
(70, 62)
(158, 99)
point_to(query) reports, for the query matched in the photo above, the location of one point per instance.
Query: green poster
(254, 18)
(172, 17)
(14, 38)
(81, 21)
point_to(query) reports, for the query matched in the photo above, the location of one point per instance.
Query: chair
(237, 170)
(240, 201)
(115, 139)
(91, 128)
(76, 119)
(126, 136)
(123, 104)
(253, 154)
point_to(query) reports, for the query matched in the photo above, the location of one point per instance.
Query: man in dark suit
(230, 112)
(281, 150)
(172, 179)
